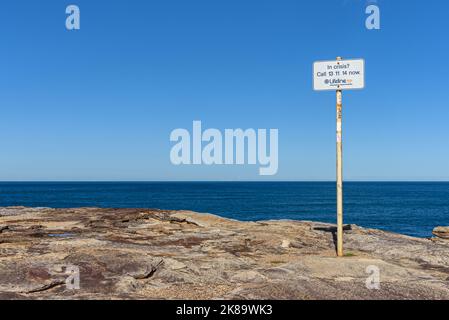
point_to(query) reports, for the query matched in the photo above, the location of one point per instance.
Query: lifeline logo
(335, 82)
(234, 140)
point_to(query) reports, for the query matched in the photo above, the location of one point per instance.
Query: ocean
(412, 208)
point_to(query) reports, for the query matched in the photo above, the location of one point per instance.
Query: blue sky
(100, 103)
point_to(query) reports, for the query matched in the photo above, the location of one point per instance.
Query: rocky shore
(155, 254)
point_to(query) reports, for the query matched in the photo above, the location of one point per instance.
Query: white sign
(339, 75)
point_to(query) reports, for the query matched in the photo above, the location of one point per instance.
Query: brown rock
(441, 232)
(160, 254)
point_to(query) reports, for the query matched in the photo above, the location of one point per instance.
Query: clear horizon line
(190, 181)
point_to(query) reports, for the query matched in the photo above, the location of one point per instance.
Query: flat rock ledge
(441, 232)
(157, 254)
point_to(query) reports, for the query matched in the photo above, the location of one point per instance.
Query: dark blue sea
(412, 208)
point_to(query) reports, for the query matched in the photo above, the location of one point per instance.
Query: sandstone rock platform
(157, 254)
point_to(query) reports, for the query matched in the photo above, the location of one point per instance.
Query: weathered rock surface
(155, 254)
(441, 232)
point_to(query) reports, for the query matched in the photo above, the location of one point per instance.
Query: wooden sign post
(339, 75)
